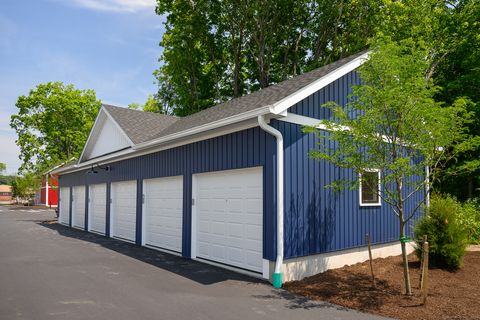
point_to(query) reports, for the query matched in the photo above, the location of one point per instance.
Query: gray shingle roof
(138, 125)
(144, 126)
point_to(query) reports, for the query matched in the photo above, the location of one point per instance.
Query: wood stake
(425, 273)
(421, 263)
(371, 260)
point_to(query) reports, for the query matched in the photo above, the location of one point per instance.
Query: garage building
(231, 185)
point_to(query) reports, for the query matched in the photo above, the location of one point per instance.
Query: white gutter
(209, 126)
(277, 276)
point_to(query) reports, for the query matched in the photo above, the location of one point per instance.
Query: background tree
(52, 124)
(25, 186)
(3, 178)
(217, 50)
(459, 76)
(393, 124)
(151, 105)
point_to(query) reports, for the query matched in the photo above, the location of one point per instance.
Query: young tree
(3, 167)
(53, 123)
(392, 123)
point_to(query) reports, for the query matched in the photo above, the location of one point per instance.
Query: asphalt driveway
(48, 271)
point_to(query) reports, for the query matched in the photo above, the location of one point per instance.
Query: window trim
(370, 204)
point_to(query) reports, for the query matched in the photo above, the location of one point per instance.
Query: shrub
(469, 218)
(447, 237)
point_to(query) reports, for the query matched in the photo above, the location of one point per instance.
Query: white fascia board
(284, 104)
(132, 153)
(209, 126)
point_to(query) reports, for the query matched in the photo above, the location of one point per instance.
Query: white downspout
(277, 276)
(427, 186)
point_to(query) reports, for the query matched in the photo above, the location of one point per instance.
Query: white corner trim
(376, 204)
(284, 104)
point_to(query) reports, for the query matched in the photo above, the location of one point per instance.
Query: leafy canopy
(52, 124)
(393, 123)
(3, 167)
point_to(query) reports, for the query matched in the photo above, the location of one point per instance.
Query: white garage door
(64, 213)
(228, 217)
(163, 213)
(98, 209)
(124, 209)
(78, 207)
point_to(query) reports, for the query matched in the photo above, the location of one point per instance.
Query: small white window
(370, 188)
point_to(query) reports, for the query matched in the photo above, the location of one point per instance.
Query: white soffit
(106, 137)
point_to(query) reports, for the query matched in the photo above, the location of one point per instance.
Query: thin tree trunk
(406, 273)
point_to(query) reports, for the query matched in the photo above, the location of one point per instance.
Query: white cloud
(116, 5)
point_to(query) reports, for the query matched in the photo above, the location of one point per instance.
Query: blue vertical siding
(87, 206)
(138, 224)
(319, 219)
(243, 149)
(336, 91)
(70, 209)
(107, 212)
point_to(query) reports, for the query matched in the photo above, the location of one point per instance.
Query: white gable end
(106, 137)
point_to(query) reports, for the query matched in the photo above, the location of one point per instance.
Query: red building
(48, 194)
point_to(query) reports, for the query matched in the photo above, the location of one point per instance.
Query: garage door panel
(98, 207)
(124, 209)
(79, 206)
(64, 214)
(229, 215)
(164, 212)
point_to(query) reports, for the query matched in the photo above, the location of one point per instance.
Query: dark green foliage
(469, 218)
(458, 74)
(447, 237)
(217, 50)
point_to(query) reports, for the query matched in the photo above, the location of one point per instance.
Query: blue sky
(110, 46)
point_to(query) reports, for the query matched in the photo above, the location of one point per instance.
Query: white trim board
(299, 268)
(132, 153)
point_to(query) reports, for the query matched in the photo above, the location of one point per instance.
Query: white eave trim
(132, 153)
(209, 126)
(282, 105)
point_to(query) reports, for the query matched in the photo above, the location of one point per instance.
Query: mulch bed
(452, 295)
